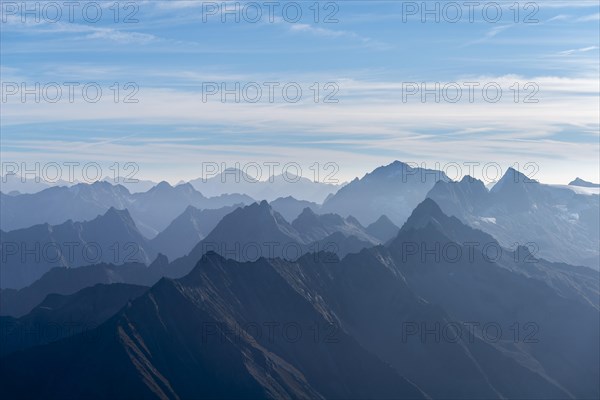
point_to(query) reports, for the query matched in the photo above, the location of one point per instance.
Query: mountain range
(557, 223)
(29, 253)
(269, 188)
(429, 314)
(393, 190)
(402, 284)
(152, 211)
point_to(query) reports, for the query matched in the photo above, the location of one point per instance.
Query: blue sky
(370, 51)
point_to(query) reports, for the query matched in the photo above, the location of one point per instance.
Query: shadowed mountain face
(393, 190)
(244, 234)
(66, 281)
(257, 231)
(435, 310)
(203, 348)
(29, 253)
(152, 210)
(60, 316)
(434, 307)
(557, 223)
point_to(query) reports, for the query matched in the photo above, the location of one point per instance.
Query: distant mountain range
(257, 231)
(560, 224)
(152, 211)
(429, 314)
(193, 225)
(29, 253)
(582, 183)
(393, 190)
(290, 208)
(267, 188)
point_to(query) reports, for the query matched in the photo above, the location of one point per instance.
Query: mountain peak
(511, 177)
(383, 220)
(112, 212)
(114, 217)
(353, 221)
(383, 229)
(426, 212)
(427, 207)
(307, 211)
(306, 218)
(583, 183)
(162, 186)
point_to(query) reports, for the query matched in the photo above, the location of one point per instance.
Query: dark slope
(67, 281)
(183, 339)
(60, 316)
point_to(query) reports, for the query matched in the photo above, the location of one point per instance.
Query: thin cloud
(581, 50)
(593, 17)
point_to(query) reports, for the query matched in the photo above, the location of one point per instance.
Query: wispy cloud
(581, 50)
(587, 18)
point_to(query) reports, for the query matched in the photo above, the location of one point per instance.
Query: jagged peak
(383, 219)
(120, 213)
(510, 178)
(163, 185)
(468, 179)
(353, 221)
(583, 183)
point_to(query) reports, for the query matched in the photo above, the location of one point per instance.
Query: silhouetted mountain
(393, 190)
(60, 316)
(512, 290)
(29, 253)
(138, 354)
(582, 183)
(66, 281)
(159, 206)
(55, 205)
(251, 232)
(255, 231)
(562, 224)
(456, 320)
(152, 211)
(180, 237)
(263, 187)
(382, 229)
(290, 208)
